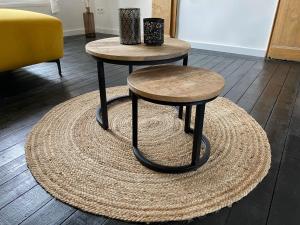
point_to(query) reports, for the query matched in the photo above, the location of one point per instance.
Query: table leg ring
(174, 169)
(199, 139)
(101, 115)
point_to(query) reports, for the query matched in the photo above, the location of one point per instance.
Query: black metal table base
(196, 160)
(173, 169)
(121, 98)
(100, 109)
(102, 114)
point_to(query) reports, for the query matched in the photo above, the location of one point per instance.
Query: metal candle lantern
(153, 31)
(130, 32)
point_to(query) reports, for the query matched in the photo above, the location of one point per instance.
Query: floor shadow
(25, 94)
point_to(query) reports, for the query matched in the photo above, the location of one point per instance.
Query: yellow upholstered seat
(27, 38)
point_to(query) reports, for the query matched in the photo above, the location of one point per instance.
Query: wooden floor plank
(279, 121)
(233, 67)
(295, 121)
(249, 98)
(223, 65)
(286, 201)
(193, 58)
(254, 208)
(65, 81)
(218, 218)
(264, 106)
(286, 195)
(82, 218)
(12, 169)
(24, 206)
(238, 90)
(11, 153)
(233, 78)
(16, 187)
(19, 123)
(202, 62)
(54, 212)
(214, 62)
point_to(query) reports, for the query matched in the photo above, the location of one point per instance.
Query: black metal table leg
(102, 114)
(103, 119)
(180, 112)
(200, 109)
(185, 63)
(130, 68)
(185, 60)
(198, 139)
(187, 122)
(134, 120)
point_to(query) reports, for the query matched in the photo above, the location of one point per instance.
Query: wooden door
(166, 9)
(285, 39)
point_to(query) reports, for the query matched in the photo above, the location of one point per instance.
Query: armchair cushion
(27, 38)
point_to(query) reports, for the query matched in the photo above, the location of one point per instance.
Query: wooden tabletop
(110, 48)
(176, 83)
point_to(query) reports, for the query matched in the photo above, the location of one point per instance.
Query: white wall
(70, 14)
(107, 21)
(236, 26)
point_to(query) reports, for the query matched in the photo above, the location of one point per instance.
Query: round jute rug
(78, 162)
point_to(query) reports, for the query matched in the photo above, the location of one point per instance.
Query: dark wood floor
(268, 90)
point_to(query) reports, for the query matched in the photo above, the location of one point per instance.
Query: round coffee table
(110, 50)
(175, 86)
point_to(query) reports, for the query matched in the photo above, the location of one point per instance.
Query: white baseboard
(107, 30)
(73, 32)
(228, 49)
(198, 45)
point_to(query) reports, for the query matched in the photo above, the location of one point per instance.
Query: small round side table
(110, 50)
(175, 86)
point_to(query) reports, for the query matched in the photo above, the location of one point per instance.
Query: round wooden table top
(172, 83)
(110, 48)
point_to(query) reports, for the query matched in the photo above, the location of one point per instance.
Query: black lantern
(153, 31)
(130, 31)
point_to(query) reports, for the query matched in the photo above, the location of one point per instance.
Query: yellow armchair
(28, 38)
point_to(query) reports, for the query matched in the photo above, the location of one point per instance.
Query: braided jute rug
(78, 162)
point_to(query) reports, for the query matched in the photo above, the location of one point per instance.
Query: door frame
(272, 31)
(172, 16)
